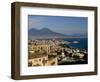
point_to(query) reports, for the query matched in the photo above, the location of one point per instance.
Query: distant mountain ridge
(46, 33)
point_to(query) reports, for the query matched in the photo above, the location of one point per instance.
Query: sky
(61, 24)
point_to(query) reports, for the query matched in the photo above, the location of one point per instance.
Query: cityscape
(49, 47)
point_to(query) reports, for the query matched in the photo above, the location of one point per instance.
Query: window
(39, 59)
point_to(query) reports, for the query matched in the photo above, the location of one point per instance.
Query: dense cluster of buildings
(50, 52)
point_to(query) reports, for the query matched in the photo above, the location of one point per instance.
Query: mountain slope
(44, 33)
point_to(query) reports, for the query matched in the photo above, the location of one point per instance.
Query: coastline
(59, 50)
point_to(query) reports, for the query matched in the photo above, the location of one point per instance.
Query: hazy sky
(60, 24)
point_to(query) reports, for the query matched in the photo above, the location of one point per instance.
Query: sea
(81, 42)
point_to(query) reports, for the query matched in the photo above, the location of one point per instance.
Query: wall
(5, 40)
